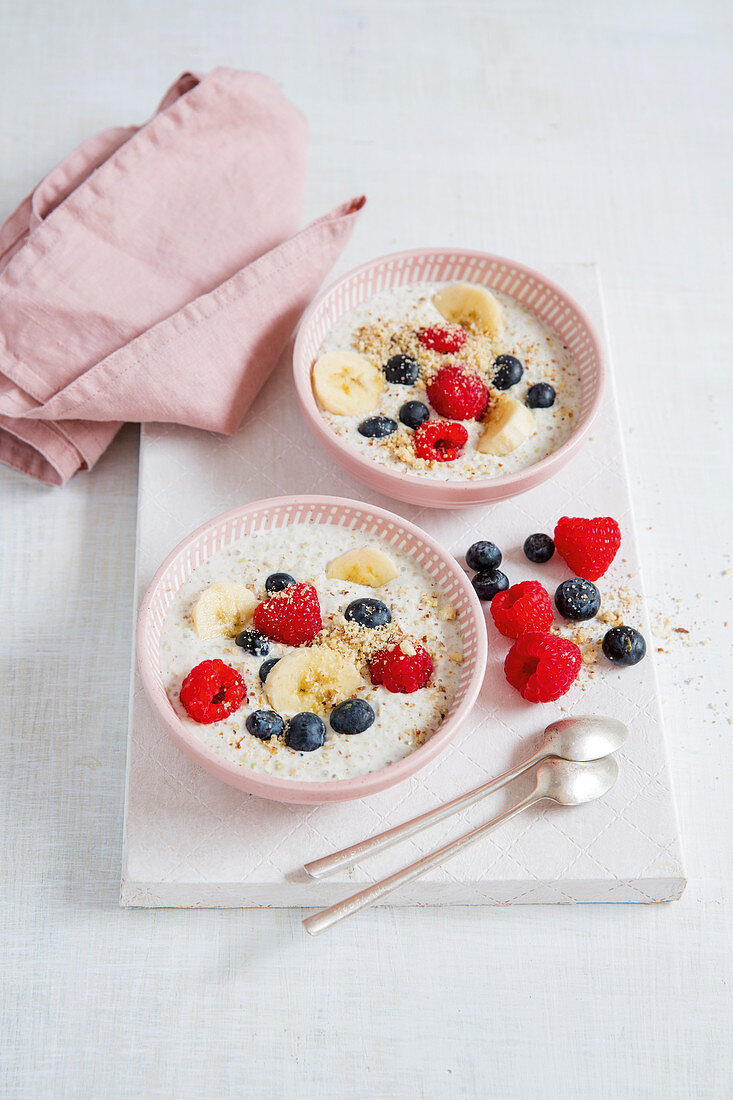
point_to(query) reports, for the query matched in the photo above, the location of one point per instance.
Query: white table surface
(557, 131)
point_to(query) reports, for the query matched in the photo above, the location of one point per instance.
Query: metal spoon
(565, 781)
(582, 738)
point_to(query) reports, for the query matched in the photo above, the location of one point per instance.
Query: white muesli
(389, 322)
(420, 613)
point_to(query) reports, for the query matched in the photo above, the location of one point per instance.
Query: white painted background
(556, 131)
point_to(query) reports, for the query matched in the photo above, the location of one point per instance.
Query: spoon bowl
(573, 782)
(585, 737)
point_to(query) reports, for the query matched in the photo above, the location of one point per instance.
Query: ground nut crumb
(351, 640)
(401, 445)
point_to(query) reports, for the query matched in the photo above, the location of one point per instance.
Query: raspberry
(440, 441)
(458, 394)
(291, 617)
(588, 545)
(212, 691)
(445, 339)
(541, 666)
(522, 608)
(400, 671)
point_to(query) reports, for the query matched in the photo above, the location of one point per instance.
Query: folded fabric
(156, 274)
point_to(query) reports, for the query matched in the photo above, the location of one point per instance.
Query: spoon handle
(319, 922)
(377, 843)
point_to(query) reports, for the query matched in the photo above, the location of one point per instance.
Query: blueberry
(540, 396)
(254, 642)
(539, 548)
(368, 612)
(266, 666)
(577, 599)
(376, 427)
(623, 645)
(278, 582)
(510, 370)
(352, 716)
(402, 370)
(265, 724)
(483, 556)
(305, 732)
(488, 582)
(414, 413)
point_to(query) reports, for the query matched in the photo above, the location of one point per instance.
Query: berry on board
(623, 645)
(522, 608)
(483, 555)
(577, 599)
(541, 667)
(488, 582)
(538, 548)
(588, 545)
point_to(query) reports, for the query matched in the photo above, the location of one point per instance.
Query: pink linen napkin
(156, 274)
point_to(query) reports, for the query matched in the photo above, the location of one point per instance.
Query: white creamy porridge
(389, 323)
(421, 616)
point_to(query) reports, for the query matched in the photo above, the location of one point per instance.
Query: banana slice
(222, 609)
(366, 565)
(347, 383)
(508, 424)
(468, 304)
(313, 679)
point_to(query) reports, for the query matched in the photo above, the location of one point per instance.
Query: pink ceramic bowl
(545, 298)
(280, 512)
